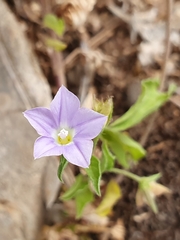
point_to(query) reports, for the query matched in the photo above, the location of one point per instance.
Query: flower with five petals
(65, 129)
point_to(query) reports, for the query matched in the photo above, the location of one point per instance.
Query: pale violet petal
(64, 105)
(42, 120)
(88, 123)
(79, 152)
(45, 146)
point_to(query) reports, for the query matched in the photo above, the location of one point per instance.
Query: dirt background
(115, 54)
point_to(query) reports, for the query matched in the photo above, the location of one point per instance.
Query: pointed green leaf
(113, 140)
(83, 197)
(149, 101)
(107, 161)
(132, 147)
(79, 184)
(151, 201)
(54, 23)
(94, 173)
(124, 147)
(151, 178)
(55, 44)
(63, 163)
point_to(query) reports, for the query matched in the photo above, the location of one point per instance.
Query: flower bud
(148, 190)
(104, 107)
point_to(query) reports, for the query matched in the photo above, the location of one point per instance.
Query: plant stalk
(126, 173)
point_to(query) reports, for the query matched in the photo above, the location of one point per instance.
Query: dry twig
(94, 42)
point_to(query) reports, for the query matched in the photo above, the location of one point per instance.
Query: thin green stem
(126, 173)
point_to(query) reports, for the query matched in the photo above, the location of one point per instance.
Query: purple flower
(65, 129)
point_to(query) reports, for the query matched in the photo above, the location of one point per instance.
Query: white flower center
(63, 133)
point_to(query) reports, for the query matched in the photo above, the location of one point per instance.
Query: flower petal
(79, 152)
(88, 123)
(45, 146)
(64, 106)
(42, 120)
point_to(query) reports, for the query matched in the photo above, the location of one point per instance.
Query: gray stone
(26, 185)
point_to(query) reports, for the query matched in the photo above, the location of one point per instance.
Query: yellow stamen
(64, 137)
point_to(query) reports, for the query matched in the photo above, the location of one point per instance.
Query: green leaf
(94, 173)
(132, 147)
(113, 193)
(151, 178)
(63, 163)
(54, 23)
(123, 146)
(151, 201)
(55, 44)
(107, 161)
(83, 197)
(149, 101)
(113, 140)
(79, 185)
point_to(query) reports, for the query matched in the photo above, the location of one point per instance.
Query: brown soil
(163, 148)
